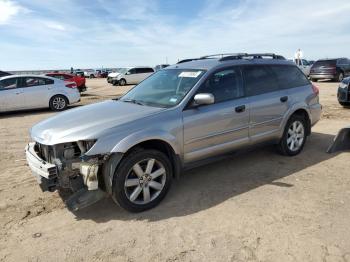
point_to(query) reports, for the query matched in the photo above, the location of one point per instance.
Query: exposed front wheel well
(303, 113)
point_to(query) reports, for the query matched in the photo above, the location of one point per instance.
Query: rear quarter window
(289, 76)
(259, 80)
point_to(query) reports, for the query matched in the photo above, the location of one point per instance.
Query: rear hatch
(324, 67)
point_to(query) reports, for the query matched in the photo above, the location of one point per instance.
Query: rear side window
(9, 83)
(259, 80)
(34, 81)
(49, 81)
(289, 76)
(144, 70)
(224, 85)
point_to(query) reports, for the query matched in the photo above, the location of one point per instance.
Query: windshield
(165, 88)
(122, 70)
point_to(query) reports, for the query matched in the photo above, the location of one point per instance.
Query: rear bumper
(315, 111)
(74, 97)
(321, 76)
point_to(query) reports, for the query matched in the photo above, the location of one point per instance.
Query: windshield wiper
(134, 101)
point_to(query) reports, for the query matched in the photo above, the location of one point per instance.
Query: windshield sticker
(193, 74)
(173, 100)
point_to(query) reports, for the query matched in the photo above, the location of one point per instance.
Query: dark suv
(334, 69)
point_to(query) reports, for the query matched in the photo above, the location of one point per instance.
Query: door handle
(284, 99)
(240, 109)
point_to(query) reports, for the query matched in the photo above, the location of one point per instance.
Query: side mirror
(203, 99)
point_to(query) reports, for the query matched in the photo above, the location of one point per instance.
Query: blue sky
(46, 34)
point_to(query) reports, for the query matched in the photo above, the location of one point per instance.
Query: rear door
(11, 97)
(213, 129)
(268, 103)
(37, 91)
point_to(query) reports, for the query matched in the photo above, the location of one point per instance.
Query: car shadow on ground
(210, 185)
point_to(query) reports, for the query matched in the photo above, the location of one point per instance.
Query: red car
(80, 81)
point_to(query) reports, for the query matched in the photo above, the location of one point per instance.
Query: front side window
(164, 88)
(224, 85)
(289, 76)
(9, 83)
(259, 80)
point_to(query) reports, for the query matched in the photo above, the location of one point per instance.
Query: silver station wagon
(133, 147)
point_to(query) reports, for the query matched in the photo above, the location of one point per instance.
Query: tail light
(71, 85)
(315, 89)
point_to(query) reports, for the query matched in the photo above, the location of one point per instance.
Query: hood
(114, 74)
(88, 122)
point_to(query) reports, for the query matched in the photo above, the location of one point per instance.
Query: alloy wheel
(295, 136)
(59, 103)
(145, 181)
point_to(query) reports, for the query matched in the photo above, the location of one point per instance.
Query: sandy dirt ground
(254, 206)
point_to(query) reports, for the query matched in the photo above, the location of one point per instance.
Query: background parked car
(159, 67)
(80, 81)
(2, 73)
(344, 92)
(115, 73)
(334, 69)
(19, 92)
(90, 73)
(304, 66)
(79, 73)
(132, 76)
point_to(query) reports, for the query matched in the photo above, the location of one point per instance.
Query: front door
(220, 127)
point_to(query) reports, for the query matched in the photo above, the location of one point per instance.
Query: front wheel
(122, 82)
(58, 103)
(142, 180)
(294, 136)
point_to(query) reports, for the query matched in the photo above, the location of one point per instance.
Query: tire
(340, 77)
(92, 76)
(293, 137)
(114, 83)
(345, 104)
(58, 103)
(122, 82)
(143, 192)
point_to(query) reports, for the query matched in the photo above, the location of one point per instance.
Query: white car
(304, 66)
(18, 92)
(132, 75)
(90, 73)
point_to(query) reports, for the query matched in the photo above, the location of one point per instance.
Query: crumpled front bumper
(45, 173)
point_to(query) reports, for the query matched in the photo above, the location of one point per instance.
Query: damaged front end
(65, 166)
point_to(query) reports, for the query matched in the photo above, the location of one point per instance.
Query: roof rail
(223, 55)
(253, 56)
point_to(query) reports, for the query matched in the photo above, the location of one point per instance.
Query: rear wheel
(58, 103)
(122, 82)
(345, 104)
(142, 180)
(339, 77)
(92, 76)
(294, 136)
